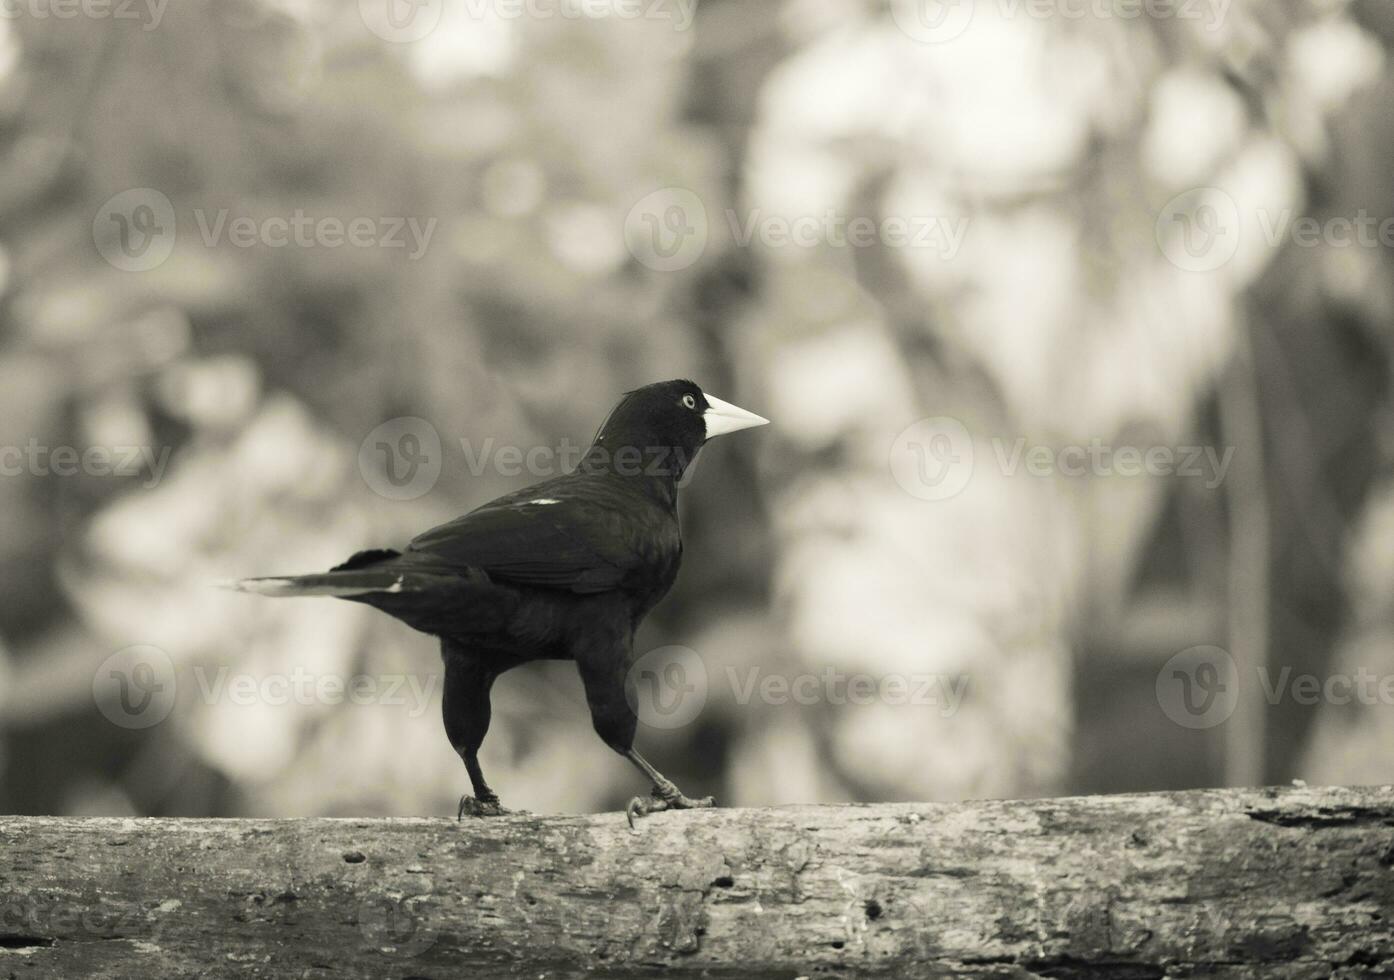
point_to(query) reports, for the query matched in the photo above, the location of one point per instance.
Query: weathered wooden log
(1231, 883)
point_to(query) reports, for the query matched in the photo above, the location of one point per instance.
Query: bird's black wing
(584, 539)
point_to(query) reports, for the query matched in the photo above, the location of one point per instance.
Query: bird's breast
(659, 546)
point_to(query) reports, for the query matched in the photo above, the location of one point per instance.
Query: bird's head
(664, 424)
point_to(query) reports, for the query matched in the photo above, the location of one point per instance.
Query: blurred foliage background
(528, 139)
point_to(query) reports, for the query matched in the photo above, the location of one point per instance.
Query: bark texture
(1265, 884)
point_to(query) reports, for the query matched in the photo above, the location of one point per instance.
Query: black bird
(563, 570)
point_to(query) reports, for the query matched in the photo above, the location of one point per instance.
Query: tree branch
(1230, 883)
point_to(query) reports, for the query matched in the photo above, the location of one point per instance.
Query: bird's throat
(659, 468)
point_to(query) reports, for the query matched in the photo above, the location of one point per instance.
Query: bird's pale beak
(723, 417)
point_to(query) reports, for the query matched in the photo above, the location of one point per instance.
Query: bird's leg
(465, 709)
(603, 673)
(666, 795)
(484, 802)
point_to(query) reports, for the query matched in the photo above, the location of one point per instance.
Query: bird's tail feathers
(346, 584)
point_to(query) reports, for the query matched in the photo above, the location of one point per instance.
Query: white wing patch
(543, 501)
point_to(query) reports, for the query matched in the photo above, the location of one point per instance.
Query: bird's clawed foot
(487, 807)
(664, 800)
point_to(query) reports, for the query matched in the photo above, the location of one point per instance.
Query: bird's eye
(689, 401)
